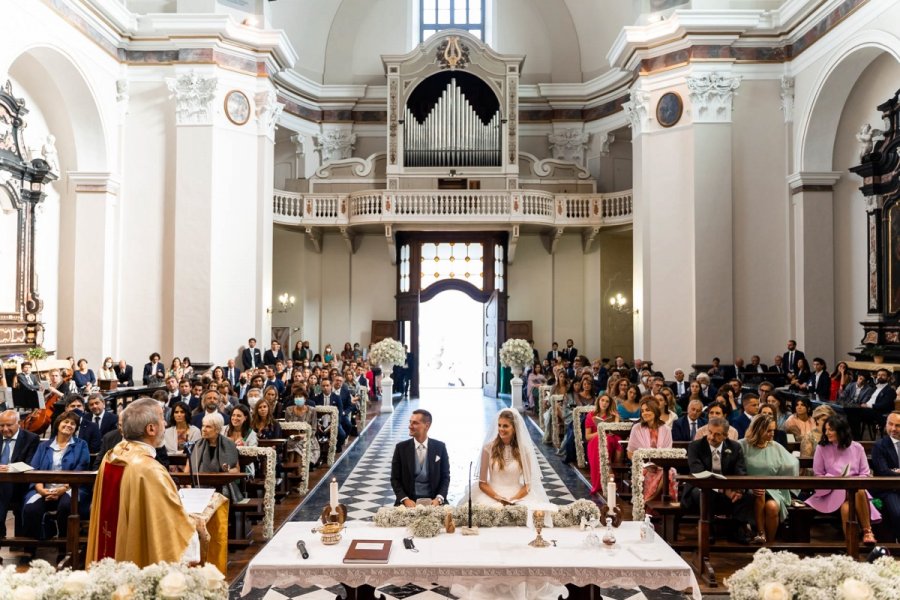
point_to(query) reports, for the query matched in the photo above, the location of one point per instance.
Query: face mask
(79, 412)
(299, 401)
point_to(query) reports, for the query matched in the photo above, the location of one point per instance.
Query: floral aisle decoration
(516, 353)
(602, 428)
(570, 515)
(114, 580)
(387, 352)
(304, 431)
(786, 576)
(588, 412)
(332, 411)
(268, 455)
(639, 461)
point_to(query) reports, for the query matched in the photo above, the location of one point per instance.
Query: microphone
(301, 546)
(188, 446)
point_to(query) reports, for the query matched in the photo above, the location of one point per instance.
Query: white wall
(875, 85)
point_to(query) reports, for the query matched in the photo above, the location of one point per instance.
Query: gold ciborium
(538, 542)
(331, 533)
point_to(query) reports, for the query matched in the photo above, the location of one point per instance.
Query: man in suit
(271, 379)
(856, 393)
(570, 351)
(29, 387)
(349, 405)
(536, 357)
(715, 453)
(876, 408)
(420, 467)
(886, 463)
(184, 395)
(777, 365)
(554, 353)
(685, 427)
(154, 371)
(789, 359)
(408, 369)
(273, 355)
(680, 385)
(251, 357)
(819, 382)
(87, 431)
(232, 374)
(750, 406)
(16, 445)
(209, 405)
(329, 398)
(104, 420)
(756, 366)
(124, 373)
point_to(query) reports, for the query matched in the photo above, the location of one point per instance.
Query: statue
(49, 153)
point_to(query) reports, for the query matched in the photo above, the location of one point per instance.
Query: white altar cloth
(497, 555)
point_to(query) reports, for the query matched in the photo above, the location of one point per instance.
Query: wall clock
(237, 107)
(669, 109)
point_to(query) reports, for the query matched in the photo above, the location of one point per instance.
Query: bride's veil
(527, 454)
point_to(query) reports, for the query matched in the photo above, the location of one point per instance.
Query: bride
(509, 472)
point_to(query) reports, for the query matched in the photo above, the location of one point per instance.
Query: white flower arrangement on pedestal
(786, 576)
(114, 580)
(640, 460)
(269, 485)
(516, 353)
(387, 352)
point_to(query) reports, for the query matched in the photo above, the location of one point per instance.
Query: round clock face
(237, 107)
(669, 109)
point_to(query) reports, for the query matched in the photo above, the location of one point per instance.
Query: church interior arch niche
(410, 294)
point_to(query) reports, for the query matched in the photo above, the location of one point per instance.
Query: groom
(420, 467)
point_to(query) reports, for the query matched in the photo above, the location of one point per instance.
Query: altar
(498, 555)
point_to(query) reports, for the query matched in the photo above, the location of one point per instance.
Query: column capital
(194, 95)
(812, 181)
(93, 182)
(711, 96)
(268, 109)
(637, 109)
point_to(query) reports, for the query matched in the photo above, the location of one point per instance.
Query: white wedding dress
(508, 481)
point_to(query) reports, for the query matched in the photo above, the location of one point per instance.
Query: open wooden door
(491, 368)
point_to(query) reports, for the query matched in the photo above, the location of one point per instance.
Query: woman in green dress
(765, 457)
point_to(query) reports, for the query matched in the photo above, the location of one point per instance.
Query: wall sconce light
(619, 303)
(287, 302)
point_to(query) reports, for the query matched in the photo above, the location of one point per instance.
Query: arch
(454, 284)
(830, 92)
(50, 74)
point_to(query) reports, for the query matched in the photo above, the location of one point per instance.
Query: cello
(40, 418)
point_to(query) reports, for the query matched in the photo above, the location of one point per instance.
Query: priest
(137, 514)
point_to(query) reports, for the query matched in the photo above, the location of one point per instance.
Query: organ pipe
(452, 134)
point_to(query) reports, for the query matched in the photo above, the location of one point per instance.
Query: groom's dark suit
(403, 470)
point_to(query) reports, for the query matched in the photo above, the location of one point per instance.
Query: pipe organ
(453, 134)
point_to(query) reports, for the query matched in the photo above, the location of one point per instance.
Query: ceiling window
(436, 15)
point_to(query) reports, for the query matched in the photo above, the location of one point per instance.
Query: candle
(611, 492)
(470, 495)
(334, 494)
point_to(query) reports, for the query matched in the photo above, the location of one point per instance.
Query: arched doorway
(451, 341)
(473, 263)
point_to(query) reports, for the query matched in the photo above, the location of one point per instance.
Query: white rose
(25, 592)
(854, 589)
(212, 575)
(774, 591)
(173, 586)
(76, 583)
(123, 592)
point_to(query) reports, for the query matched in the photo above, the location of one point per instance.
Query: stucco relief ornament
(193, 96)
(867, 137)
(452, 54)
(711, 96)
(335, 144)
(268, 108)
(787, 98)
(569, 144)
(637, 110)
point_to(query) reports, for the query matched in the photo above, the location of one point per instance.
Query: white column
(812, 205)
(94, 264)
(268, 109)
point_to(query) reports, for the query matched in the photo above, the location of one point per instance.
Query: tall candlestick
(334, 494)
(470, 495)
(611, 492)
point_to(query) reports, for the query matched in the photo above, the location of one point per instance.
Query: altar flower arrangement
(516, 353)
(114, 580)
(387, 352)
(482, 515)
(571, 514)
(786, 576)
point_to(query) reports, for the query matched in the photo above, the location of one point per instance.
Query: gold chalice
(538, 542)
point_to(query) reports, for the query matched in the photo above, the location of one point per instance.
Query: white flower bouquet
(786, 576)
(387, 352)
(516, 353)
(114, 580)
(570, 515)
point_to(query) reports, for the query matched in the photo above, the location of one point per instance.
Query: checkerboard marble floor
(462, 419)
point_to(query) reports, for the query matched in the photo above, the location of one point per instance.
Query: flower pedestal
(516, 382)
(387, 389)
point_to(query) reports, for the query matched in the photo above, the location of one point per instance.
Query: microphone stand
(195, 478)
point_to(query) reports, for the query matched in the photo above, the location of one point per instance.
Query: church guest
(215, 453)
(84, 377)
(180, 431)
(741, 420)
(262, 422)
(685, 428)
(125, 374)
(208, 405)
(16, 445)
(187, 369)
(650, 433)
(154, 372)
(886, 463)
(800, 424)
(630, 407)
(142, 511)
(87, 431)
(107, 372)
(605, 411)
(716, 410)
(238, 430)
(301, 410)
(175, 369)
(810, 442)
(840, 379)
(63, 452)
(695, 392)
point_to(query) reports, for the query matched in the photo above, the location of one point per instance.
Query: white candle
(611, 493)
(334, 493)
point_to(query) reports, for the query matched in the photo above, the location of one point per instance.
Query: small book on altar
(372, 552)
(708, 474)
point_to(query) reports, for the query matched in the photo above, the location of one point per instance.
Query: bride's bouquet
(516, 353)
(387, 352)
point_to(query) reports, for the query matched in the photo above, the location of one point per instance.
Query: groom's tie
(420, 456)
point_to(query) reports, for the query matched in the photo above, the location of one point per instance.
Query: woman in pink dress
(651, 433)
(605, 411)
(837, 455)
